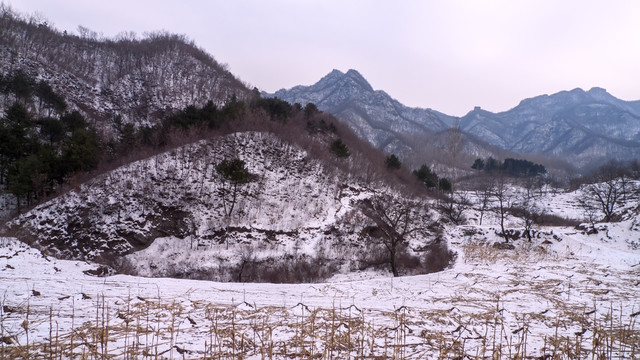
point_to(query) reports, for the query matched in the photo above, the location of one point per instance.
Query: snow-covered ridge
(181, 187)
(581, 127)
(141, 80)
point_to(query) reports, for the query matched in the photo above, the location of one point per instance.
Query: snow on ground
(578, 294)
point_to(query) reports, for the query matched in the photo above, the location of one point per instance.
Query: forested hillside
(140, 79)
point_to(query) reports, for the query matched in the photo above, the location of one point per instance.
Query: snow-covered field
(577, 297)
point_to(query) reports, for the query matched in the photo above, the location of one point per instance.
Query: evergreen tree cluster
(340, 149)
(37, 155)
(22, 88)
(277, 109)
(431, 180)
(510, 166)
(41, 144)
(192, 118)
(393, 162)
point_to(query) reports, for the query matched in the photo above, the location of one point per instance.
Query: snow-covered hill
(295, 210)
(139, 79)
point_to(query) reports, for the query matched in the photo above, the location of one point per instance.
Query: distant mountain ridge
(577, 125)
(373, 115)
(583, 127)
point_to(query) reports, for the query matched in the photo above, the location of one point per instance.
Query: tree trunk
(392, 262)
(504, 233)
(233, 199)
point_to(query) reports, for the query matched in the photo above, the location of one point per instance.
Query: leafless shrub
(396, 219)
(454, 206)
(436, 257)
(292, 270)
(556, 220)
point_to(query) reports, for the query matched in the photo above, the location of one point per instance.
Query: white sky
(442, 54)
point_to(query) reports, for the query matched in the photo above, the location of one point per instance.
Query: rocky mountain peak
(598, 91)
(331, 78)
(355, 77)
(373, 115)
(601, 95)
(336, 79)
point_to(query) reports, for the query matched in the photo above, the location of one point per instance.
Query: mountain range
(583, 127)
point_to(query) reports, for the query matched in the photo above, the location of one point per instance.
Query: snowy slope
(140, 79)
(569, 293)
(172, 206)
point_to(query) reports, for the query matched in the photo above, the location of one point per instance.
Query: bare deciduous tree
(396, 219)
(454, 144)
(483, 198)
(590, 211)
(529, 212)
(504, 199)
(454, 206)
(607, 192)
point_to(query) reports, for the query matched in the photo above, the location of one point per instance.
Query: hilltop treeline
(142, 78)
(510, 167)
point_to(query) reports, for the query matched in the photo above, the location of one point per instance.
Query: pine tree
(393, 162)
(340, 149)
(234, 173)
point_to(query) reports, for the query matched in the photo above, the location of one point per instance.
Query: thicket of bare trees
(507, 197)
(607, 188)
(139, 76)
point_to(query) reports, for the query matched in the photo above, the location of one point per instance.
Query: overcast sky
(445, 55)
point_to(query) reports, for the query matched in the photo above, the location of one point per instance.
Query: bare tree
(504, 199)
(454, 145)
(607, 191)
(529, 212)
(483, 198)
(396, 219)
(454, 206)
(590, 211)
(247, 257)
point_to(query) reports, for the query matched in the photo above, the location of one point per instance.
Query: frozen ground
(578, 296)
